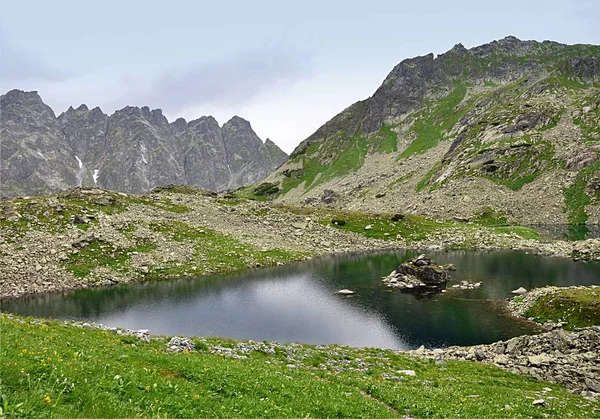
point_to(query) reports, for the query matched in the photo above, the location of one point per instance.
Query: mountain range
(133, 150)
(509, 128)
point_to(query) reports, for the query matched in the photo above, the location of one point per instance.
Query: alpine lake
(299, 302)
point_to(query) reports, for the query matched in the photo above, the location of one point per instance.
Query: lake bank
(95, 238)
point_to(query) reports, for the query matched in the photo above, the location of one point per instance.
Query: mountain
(510, 128)
(132, 150)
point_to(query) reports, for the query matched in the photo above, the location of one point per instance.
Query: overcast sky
(287, 68)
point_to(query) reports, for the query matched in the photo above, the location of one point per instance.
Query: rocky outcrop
(559, 356)
(133, 150)
(420, 272)
(35, 154)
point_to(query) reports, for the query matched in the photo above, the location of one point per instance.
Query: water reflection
(297, 303)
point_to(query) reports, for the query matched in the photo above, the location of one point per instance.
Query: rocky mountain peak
(236, 123)
(133, 150)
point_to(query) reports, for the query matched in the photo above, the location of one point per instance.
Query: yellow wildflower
(47, 399)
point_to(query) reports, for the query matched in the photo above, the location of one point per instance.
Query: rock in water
(345, 292)
(419, 272)
(519, 291)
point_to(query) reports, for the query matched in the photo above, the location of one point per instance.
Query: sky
(287, 68)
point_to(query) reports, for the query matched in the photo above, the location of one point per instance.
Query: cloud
(18, 65)
(234, 80)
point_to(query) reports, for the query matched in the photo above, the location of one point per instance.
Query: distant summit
(133, 150)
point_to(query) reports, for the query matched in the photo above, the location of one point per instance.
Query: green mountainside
(512, 125)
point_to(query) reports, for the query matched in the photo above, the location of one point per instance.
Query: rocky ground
(559, 356)
(84, 238)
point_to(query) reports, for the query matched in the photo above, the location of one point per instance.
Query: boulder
(419, 272)
(345, 291)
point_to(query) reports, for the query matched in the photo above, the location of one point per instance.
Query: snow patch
(95, 176)
(79, 161)
(143, 152)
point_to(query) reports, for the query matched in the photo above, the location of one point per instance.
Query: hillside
(512, 125)
(132, 150)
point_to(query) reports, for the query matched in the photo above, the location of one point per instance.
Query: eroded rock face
(133, 150)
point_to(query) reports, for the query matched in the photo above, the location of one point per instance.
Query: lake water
(298, 303)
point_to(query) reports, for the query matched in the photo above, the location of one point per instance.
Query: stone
(540, 402)
(179, 344)
(346, 292)
(537, 360)
(519, 291)
(410, 373)
(592, 384)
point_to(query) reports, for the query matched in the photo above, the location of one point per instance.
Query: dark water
(298, 303)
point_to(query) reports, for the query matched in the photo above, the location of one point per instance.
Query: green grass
(55, 213)
(98, 253)
(213, 252)
(519, 169)
(53, 370)
(489, 216)
(430, 127)
(425, 181)
(576, 199)
(413, 228)
(385, 140)
(577, 307)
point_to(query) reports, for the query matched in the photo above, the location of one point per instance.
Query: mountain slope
(132, 150)
(513, 125)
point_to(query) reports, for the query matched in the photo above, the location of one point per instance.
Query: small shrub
(265, 189)
(397, 217)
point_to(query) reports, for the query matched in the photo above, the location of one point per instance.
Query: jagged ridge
(132, 150)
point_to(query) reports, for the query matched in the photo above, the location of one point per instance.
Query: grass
(489, 216)
(413, 228)
(385, 140)
(97, 254)
(523, 167)
(55, 213)
(576, 199)
(213, 252)
(576, 307)
(430, 127)
(54, 370)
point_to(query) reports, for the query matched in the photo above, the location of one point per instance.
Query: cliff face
(133, 150)
(511, 125)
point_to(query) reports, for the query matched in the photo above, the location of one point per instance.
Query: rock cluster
(419, 272)
(558, 356)
(179, 344)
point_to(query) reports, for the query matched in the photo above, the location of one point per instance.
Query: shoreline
(94, 238)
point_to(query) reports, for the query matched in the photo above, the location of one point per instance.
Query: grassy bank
(577, 307)
(414, 228)
(50, 369)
